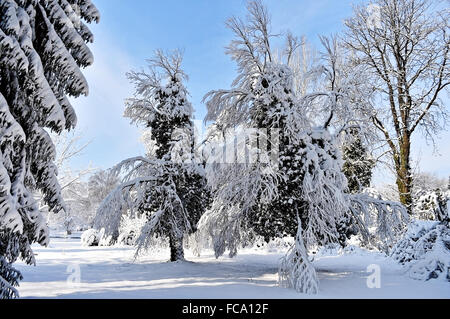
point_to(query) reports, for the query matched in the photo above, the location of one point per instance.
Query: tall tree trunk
(404, 177)
(176, 247)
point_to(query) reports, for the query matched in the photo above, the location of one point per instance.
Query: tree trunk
(404, 177)
(176, 247)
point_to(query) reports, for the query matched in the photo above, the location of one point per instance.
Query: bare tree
(69, 145)
(302, 58)
(405, 47)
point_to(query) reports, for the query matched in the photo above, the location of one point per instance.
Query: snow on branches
(433, 205)
(323, 185)
(425, 250)
(290, 182)
(43, 44)
(296, 271)
(381, 223)
(9, 280)
(304, 179)
(236, 187)
(167, 186)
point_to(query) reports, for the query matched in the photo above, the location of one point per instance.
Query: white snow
(110, 272)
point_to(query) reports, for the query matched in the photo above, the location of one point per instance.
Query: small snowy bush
(425, 250)
(104, 239)
(130, 228)
(433, 205)
(95, 237)
(90, 238)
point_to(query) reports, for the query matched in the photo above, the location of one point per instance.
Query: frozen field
(110, 272)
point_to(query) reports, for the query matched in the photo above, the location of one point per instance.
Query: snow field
(111, 272)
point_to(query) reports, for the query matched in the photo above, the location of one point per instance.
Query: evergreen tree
(296, 185)
(433, 205)
(307, 182)
(358, 164)
(300, 190)
(357, 168)
(43, 44)
(167, 186)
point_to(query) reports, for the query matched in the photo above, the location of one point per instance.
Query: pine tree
(302, 192)
(307, 181)
(43, 44)
(357, 168)
(167, 186)
(358, 164)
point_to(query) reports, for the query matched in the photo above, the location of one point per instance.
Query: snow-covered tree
(167, 186)
(263, 98)
(358, 163)
(297, 172)
(285, 179)
(73, 186)
(340, 101)
(405, 50)
(43, 44)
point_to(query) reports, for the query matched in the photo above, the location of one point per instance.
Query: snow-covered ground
(111, 272)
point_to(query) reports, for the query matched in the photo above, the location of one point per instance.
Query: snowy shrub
(106, 239)
(353, 247)
(380, 223)
(425, 250)
(274, 245)
(130, 228)
(433, 205)
(94, 237)
(90, 237)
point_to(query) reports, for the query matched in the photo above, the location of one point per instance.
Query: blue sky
(130, 31)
